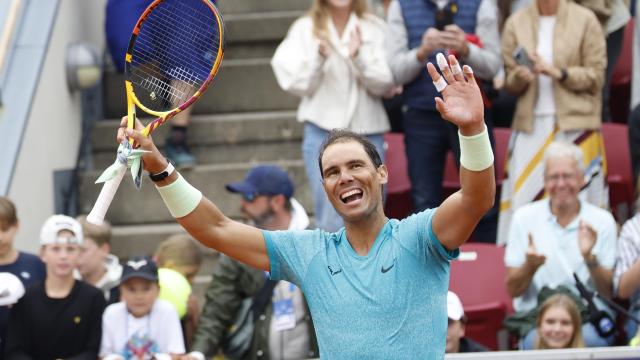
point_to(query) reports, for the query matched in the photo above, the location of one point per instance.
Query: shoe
(180, 156)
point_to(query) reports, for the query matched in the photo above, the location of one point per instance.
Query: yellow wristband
(180, 197)
(475, 151)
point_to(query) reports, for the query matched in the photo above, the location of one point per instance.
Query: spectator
(267, 200)
(559, 324)
(59, 318)
(551, 239)
(26, 267)
(141, 326)
(96, 265)
(179, 259)
(333, 58)
(559, 97)
(456, 341)
(634, 117)
(416, 35)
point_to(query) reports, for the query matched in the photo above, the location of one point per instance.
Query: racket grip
(96, 216)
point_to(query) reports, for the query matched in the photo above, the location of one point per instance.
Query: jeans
(589, 335)
(325, 215)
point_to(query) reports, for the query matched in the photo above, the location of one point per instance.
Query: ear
(106, 248)
(277, 202)
(383, 174)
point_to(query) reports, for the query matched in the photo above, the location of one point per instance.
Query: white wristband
(180, 197)
(475, 151)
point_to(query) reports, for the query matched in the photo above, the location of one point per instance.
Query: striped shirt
(628, 254)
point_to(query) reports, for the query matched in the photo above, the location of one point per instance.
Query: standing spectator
(626, 277)
(456, 341)
(559, 324)
(96, 265)
(559, 97)
(267, 200)
(26, 267)
(551, 239)
(418, 29)
(333, 58)
(59, 318)
(140, 326)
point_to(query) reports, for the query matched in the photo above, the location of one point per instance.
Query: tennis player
(377, 289)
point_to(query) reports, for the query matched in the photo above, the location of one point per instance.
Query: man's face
(61, 258)
(7, 234)
(259, 210)
(455, 331)
(351, 181)
(562, 181)
(556, 328)
(139, 295)
(92, 257)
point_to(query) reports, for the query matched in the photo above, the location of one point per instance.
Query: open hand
(587, 237)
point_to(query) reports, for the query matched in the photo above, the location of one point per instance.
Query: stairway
(243, 119)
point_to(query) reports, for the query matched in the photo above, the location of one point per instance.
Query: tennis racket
(174, 53)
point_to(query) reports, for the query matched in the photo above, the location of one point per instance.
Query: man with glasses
(282, 328)
(551, 239)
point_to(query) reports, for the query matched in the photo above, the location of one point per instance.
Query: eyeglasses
(249, 197)
(563, 176)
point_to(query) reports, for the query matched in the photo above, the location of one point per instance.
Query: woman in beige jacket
(559, 87)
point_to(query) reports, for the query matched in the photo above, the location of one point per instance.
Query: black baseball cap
(141, 267)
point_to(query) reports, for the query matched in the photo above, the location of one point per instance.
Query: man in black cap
(283, 328)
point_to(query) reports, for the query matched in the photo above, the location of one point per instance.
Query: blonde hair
(180, 249)
(565, 302)
(320, 12)
(100, 234)
(8, 215)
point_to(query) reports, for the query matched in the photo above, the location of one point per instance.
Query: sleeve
(627, 250)
(297, 64)
(94, 336)
(589, 75)
(416, 233)
(17, 340)
(509, 42)
(486, 61)
(229, 285)
(516, 250)
(402, 61)
(370, 64)
(605, 249)
(291, 252)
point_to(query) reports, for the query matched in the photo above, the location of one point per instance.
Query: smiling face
(352, 182)
(562, 181)
(556, 328)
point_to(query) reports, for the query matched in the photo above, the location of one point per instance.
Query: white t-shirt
(546, 104)
(157, 332)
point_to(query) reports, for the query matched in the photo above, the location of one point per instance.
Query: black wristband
(163, 174)
(563, 75)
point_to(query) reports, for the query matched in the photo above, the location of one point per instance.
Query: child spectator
(179, 259)
(457, 342)
(559, 324)
(60, 317)
(141, 326)
(26, 267)
(96, 265)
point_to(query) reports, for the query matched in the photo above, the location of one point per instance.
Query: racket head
(174, 53)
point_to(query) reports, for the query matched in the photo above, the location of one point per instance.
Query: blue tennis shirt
(389, 304)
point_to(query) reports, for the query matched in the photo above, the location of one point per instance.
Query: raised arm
(459, 214)
(197, 214)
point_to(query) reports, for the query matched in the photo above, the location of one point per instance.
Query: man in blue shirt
(378, 287)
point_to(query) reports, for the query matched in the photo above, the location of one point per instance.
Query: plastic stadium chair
(398, 204)
(619, 173)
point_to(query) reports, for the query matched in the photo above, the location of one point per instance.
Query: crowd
(546, 64)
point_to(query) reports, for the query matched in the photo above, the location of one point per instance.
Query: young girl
(559, 324)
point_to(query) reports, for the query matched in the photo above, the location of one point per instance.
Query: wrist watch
(163, 174)
(591, 261)
(563, 74)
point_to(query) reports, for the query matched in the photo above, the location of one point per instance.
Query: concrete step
(244, 6)
(257, 27)
(240, 86)
(133, 207)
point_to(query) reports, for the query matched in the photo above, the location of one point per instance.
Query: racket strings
(174, 53)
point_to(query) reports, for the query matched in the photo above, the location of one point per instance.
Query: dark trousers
(634, 142)
(614, 47)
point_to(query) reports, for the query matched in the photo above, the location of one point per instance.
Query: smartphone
(521, 57)
(444, 17)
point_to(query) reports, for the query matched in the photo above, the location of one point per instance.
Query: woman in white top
(333, 58)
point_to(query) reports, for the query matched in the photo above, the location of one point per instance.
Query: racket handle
(96, 216)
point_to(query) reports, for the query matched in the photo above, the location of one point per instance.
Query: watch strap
(163, 174)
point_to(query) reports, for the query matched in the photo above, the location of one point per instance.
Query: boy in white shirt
(141, 326)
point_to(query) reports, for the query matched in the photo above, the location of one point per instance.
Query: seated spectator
(26, 267)
(59, 318)
(96, 265)
(141, 326)
(551, 239)
(179, 259)
(456, 341)
(559, 324)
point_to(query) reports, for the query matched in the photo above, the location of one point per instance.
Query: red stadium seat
(619, 174)
(620, 88)
(398, 204)
(479, 279)
(451, 177)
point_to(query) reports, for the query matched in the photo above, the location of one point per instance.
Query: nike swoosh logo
(334, 272)
(389, 268)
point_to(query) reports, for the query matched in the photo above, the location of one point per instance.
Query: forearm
(629, 281)
(519, 279)
(603, 279)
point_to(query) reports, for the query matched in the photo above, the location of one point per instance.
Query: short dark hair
(8, 215)
(342, 136)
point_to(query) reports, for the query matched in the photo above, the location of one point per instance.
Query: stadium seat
(620, 91)
(398, 204)
(478, 277)
(451, 177)
(619, 174)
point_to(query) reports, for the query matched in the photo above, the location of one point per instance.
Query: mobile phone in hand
(521, 57)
